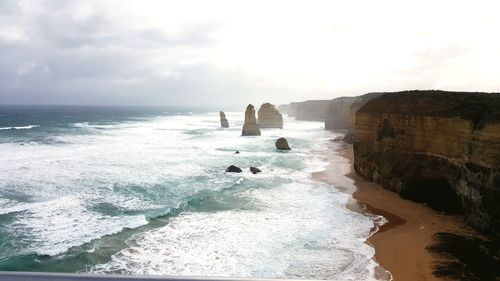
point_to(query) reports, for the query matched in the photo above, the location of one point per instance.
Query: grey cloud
(97, 61)
(9, 9)
(193, 85)
(63, 30)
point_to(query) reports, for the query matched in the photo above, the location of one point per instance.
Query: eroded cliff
(341, 113)
(312, 110)
(292, 109)
(435, 147)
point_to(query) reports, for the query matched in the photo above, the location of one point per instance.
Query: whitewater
(143, 191)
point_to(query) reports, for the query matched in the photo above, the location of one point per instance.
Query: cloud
(183, 52)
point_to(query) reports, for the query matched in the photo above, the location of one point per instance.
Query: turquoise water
(143, 191)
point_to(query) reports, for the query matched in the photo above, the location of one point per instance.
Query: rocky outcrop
(312, 110)
(282, 144)
(250, 127)
(435, 147)
(269, 117)
(223, 121)
(233, 169)
(255, 170)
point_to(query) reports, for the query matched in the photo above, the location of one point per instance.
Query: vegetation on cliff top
(479, 107)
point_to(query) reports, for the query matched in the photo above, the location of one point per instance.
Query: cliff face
(283, 108)
(341, 113)
(250, 127)
(269, 117)
(292, 109)
(435, 147)
(313, 110)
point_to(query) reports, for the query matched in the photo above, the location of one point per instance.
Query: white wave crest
(55, 226)
(20, 127)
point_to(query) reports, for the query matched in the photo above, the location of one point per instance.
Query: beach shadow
(466, 257)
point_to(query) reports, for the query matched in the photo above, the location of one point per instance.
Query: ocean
(131, 190)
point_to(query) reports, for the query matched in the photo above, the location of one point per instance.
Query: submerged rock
(270, 117)
(250, 127)
(255, 170)
(233, 169)
(282, 144)
(223, 121)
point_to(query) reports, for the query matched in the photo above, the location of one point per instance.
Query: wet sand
(400, 244)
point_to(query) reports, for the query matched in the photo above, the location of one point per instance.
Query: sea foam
(163, 179)
(20, 127)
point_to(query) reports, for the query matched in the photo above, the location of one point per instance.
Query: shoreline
(400, 244)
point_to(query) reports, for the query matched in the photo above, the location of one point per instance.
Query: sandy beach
(400, 244)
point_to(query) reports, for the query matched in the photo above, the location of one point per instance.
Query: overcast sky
(208, 53)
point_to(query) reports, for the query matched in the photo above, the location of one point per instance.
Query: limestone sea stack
(223, 121)
(282, 144)
(270, 117)
(250, 127)
(435, 147)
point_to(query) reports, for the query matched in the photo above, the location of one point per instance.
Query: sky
(231, 53)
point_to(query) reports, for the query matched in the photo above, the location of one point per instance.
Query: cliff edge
(435, 147)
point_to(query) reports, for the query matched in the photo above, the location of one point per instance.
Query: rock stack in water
(282, 144)
(250, 128)
(223, 121)
(270, 117)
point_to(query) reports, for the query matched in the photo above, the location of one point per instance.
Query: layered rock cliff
(435, 147)
(312, 110)
(292, 109)
(269, 117)
(223, 121)
(341, 113)
(250, 127)
(283, 108)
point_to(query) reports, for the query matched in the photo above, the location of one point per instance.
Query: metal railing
(43, 276)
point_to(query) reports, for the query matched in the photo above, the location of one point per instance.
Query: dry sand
(400, 245)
